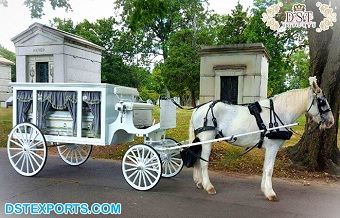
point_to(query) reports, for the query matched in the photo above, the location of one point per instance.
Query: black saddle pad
(285, 135)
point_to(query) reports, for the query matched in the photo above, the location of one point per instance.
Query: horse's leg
(268, 167)
(198, 174)
(206, 149)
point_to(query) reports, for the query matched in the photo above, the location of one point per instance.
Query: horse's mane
(293, 98)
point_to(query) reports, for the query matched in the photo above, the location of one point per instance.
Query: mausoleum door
(40, 69)
(42, 72)
(229, 89)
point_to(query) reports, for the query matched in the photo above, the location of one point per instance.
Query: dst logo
(299, 17)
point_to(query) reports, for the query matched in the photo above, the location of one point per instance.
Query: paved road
(101, 181)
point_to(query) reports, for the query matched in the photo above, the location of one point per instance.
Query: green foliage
(5, 125)
(153, 21)
(182, 69)
(36, 6)
(4, 3)
(231, 27)
(298, 78)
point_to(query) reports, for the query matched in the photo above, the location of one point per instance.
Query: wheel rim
(26, 148)
(141, 167)
(172, 162)
(74, 154)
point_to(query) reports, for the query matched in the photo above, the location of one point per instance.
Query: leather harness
(255, 109)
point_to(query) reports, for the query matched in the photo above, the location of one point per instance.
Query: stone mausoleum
(48, 55)
(234, 73)
(5, 79)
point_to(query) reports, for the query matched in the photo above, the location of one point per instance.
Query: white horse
(234, 119)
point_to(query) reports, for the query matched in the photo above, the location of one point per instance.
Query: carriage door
(42, 72)
(229, 89)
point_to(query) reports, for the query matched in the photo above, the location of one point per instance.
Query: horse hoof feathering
(210, 119)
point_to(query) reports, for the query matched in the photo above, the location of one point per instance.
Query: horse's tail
(191, 129)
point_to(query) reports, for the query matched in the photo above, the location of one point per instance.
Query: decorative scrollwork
(52, 74)
(329, 17)
(32, 74)
(268, 17)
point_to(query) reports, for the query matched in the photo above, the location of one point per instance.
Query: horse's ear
(312, 82)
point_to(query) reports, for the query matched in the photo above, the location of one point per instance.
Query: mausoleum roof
(25, 36)
(5, 61)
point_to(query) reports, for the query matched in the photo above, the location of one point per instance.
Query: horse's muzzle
(327, 124)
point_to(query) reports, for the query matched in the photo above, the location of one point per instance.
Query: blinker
(322, 101)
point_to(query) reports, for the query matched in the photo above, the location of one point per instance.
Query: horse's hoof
(199, 185)
(273, 198)
(211, 191)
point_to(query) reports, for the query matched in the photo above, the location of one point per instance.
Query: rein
(192, 108)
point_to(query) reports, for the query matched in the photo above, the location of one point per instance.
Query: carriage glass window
(42, 72)
(91, 114)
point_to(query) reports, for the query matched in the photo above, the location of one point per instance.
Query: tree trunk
(193, 100)
(318, 151)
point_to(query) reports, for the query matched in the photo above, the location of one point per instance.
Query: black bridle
(321, 101)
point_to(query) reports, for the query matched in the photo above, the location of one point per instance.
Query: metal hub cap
(140, 166)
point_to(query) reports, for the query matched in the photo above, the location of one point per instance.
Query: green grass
(5, 125)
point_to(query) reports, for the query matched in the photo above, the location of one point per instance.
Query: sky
(15, 18)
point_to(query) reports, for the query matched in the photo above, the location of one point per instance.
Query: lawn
(224, 156)
(5, 125)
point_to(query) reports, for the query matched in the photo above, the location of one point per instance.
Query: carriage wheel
(172, 162)
(26, 148)
(74, 154)
(141, 167)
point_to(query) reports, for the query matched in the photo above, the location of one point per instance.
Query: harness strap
(255, 109)
(274, 114)
(205, 126)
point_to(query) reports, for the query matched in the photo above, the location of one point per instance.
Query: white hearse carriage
(75, 116)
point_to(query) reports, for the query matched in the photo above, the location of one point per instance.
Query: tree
(319, 151)
(182, 69)
(36, 6)
(231, 29)
(299, 61)
(155, 20)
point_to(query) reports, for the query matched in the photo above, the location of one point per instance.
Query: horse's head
(318, 106)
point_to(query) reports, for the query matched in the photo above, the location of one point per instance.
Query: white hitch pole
(225, 138)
